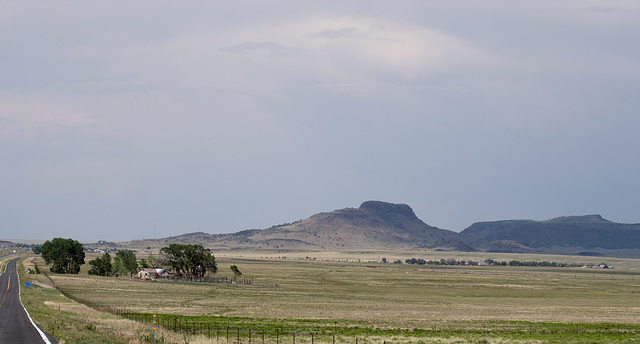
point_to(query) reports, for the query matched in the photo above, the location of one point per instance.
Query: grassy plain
(353, 295)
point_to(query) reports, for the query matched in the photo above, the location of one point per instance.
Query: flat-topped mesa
(384, 208)
(581, 218)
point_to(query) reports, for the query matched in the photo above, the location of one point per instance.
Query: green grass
(272, 330)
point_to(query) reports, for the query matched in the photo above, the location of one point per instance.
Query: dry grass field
(310, 291)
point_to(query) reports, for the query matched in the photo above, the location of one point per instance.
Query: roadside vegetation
(73, 322)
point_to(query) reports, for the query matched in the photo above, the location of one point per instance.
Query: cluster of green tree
(35, 248)
(442, 261)
(285, 224)
(66, 255)
(148, 263)
(124, 262)
(418, 261)
(547, 263)
(451, 261)
(188, 260)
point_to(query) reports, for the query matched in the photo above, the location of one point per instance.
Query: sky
(126, 120)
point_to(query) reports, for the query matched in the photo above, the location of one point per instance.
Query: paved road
(15, 324)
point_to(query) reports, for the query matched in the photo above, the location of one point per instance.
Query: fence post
(154, 329)
(249, 336)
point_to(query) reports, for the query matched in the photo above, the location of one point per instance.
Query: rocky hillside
(374, 225)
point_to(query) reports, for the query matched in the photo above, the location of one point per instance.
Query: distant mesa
(588, 232)
(383, 209)
(594, 218)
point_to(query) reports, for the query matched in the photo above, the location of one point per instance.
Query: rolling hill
(588, 233)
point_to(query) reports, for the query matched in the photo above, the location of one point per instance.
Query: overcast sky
(118, 116)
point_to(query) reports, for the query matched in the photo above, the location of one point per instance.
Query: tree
(236, 272)
(150, 262)
(66, 255)
(127, 262)
(101, 266)
(118, 267)
(418, 261)
(36, 249)
(190, 260)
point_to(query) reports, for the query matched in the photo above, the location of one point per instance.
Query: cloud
(255, 47)
(353, 49)
(22, 112)
(349, 32)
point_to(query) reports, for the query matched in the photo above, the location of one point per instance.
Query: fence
(332, 334)
(207, 279)
(229, 334)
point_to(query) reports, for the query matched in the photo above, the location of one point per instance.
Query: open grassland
(354, 296)
(376, 256)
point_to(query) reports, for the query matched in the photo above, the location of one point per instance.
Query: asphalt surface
(15, 324)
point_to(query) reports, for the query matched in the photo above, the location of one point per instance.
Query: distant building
(152, 274)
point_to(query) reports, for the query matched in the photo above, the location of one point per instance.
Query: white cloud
(404, 51)
(358, 48)
(311, 50)
(22, 112)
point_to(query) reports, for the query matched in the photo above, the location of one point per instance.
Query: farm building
(152, 274)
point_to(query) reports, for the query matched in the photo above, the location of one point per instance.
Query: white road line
(44, 336)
